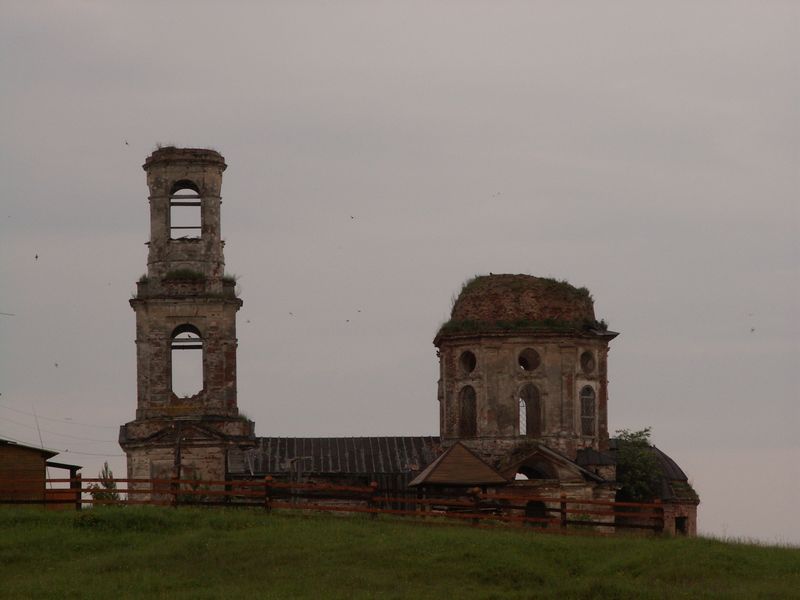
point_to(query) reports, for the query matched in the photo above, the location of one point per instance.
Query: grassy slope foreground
(164, 553)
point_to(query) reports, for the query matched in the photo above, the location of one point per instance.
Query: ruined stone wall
(201, 170)
(202, 463)
(185, 303)
(677, 515)
(156, 320)
(560, 368)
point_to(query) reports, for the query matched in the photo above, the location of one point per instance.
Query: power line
(89, 453)
(60, 451)
(66, 435)
(67, 421)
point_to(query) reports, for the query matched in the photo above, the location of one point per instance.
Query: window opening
(536, 510)
(587, 410)
(467, 362)
(537, 469)
(185, 214)
(187, 362)
(530, 411)
(468, 417)
(587, 362)
(682, 525)
(529, 360)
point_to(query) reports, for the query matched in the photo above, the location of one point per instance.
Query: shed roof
(43, 451)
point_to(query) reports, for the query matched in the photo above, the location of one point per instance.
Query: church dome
(496, 303)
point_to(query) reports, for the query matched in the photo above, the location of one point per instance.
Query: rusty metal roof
(348, 455)
(669, 468)
(673, 482)
(591, 457)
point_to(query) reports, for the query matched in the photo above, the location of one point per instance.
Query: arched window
(184, 211)
(530, 411)
(587, 410)
(187, 361)
(467, 413)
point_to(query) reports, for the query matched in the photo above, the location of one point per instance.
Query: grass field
(193, 553)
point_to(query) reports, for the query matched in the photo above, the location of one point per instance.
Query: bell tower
(185, 306)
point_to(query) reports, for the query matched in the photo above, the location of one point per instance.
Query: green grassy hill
(193, 553)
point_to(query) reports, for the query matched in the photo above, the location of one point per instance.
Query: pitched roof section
(549, 455)
(349, 455)
(458, 466)
(43, 451)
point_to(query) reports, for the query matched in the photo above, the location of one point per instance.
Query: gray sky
(646, 150)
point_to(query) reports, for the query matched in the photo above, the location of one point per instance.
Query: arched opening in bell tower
(185, 216)
(187, 361)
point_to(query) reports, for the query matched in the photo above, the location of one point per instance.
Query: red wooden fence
(560, 512)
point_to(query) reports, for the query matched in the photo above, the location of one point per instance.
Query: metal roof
(590, 456)
(673, 482)
(669, 468)
(348, 455)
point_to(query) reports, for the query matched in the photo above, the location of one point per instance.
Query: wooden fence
(547, 512)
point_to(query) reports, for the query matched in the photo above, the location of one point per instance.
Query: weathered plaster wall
(498, 380)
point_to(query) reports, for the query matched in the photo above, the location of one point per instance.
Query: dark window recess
(587, 411)
(538, 511)
(587, 362)
(467, 362)
(530, 411)
(467, 413)
(529, 360)
(682, 525)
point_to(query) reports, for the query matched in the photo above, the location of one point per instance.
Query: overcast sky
(379, 154)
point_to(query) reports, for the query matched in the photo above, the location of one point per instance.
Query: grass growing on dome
(520, 282)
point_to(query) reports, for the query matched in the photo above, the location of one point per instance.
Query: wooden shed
(23, 471)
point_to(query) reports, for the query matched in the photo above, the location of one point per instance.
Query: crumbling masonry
(185, 303)
(523, 385)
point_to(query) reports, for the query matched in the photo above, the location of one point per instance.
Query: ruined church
(522, 390)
